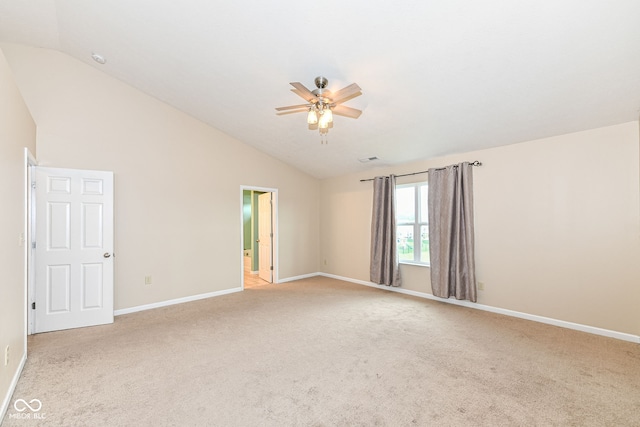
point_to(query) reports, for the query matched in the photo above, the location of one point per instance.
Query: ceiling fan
(322, 104)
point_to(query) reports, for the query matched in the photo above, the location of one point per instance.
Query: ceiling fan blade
(300, 94)
(302, 91)
(347, 98)
(292, 107)
(350, 91)
(341, 110)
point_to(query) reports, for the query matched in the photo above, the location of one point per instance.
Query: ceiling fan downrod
(321, 82)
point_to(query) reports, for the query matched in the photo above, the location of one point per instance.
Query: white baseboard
(175, 301)
(541, 319)
(304, 276)
(12, 388)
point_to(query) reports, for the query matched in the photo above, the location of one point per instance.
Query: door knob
(106, 255)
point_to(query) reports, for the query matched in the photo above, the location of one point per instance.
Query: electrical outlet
(6, 356)
(481, 286)
(147, 280)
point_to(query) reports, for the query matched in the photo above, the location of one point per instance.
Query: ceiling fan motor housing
(321, 84)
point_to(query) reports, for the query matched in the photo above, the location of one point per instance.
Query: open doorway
(259, 236)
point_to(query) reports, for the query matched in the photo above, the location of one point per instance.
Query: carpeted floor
(321, 352)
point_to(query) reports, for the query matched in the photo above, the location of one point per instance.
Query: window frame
(417, 224)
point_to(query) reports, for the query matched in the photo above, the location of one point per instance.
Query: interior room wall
(178, 201)
(17, 131)
(557, 227)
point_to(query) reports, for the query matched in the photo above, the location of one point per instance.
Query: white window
(412, 222)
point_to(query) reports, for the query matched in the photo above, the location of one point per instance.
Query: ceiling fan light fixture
(323, 123)
(312, 117)
(327, 114)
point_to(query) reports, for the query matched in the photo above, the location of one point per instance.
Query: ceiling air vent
(368, 159)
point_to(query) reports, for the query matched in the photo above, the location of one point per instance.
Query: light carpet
(322, 352)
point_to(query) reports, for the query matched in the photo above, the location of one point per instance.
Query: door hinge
(33, 185)
(271, 268)
(33, 305)
(33, 245)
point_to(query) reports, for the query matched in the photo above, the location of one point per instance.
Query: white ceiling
(437, 76)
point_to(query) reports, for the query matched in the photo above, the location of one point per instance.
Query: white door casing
(265, 237)
(74, 248)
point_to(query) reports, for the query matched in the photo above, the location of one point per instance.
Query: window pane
(424, 212)
(404, 234)
(424, 243)
(405, 204)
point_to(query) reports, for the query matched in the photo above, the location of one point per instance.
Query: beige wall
(178, 200)
(557, 227)
(17, 131)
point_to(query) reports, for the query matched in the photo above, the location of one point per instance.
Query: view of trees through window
(412, 221)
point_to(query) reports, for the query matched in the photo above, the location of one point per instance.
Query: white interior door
(73, 249)
(265, 237)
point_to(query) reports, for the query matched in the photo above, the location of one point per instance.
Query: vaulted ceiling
(437, 76)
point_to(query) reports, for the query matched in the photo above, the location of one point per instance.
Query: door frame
(276, 229)
(30, 163)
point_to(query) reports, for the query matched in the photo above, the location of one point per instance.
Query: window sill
(414, 263)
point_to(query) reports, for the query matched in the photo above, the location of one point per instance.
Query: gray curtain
(384, 257)
(451, 240)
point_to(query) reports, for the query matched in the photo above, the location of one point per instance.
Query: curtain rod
(474, 163)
